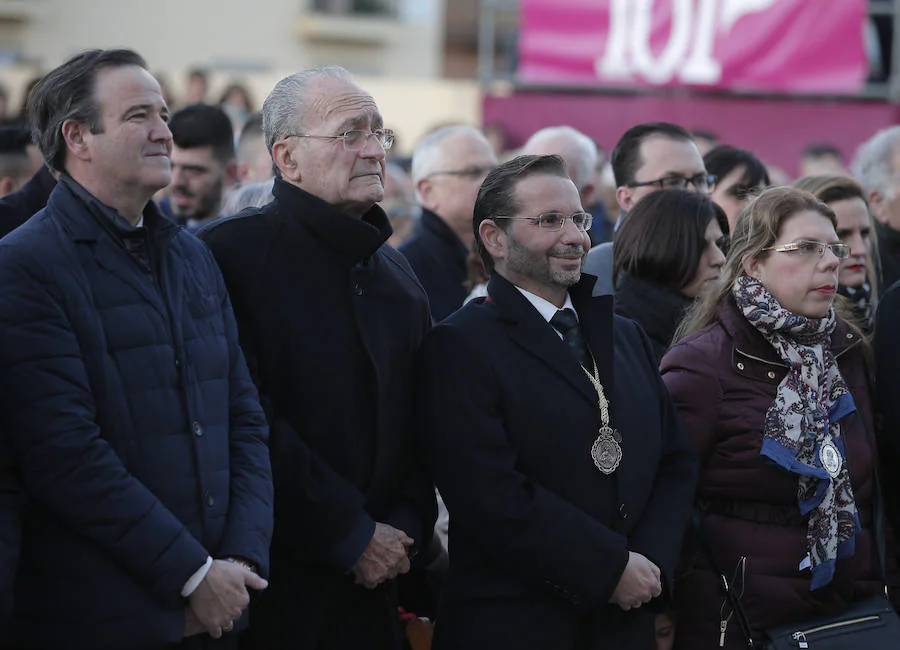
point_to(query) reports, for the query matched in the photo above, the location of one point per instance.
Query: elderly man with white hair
(877, 168)
(448, 167)
(579, 153)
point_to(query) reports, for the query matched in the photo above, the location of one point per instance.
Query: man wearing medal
(551, 438)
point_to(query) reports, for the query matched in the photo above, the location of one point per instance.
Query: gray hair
(284, 109)
(427, 157)
(873, 165)
(67, 93)
(577, 149)
(254, 195)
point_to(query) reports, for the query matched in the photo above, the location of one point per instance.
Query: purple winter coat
(723, 379)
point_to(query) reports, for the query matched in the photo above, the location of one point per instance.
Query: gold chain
(601, 396)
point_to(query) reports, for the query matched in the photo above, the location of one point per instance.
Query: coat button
(210, 500)
(849, 335)
(198, 429)
(357, 289)
(177, 362)
(623, 513)
(771, 375)
(740, 366)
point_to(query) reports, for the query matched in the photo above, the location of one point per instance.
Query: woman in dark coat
(667, 252)
(772, 389)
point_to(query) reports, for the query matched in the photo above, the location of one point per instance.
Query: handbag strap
(725, 587)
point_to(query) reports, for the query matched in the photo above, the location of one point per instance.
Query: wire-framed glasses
(556, 220)
(354, 139)
(808, 248)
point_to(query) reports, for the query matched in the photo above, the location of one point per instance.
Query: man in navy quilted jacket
(125, 401)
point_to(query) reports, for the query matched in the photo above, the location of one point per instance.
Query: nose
(571, 233)
(373, 148)
(718, 257)
(160, 131)
(858, 245)
(829, 261)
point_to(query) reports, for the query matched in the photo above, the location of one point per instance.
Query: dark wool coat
(723, 381)
(135, 426)
(539, 536)
(330, 319)
(656, 309)
(17, 208)
(438, 257)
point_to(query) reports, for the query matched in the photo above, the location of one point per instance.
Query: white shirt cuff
(195, 580)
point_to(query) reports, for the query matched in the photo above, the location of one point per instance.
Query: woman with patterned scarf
(858, 274)
(772, 389)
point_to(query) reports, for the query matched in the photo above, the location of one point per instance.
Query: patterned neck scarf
(861, 300)
(803, 420)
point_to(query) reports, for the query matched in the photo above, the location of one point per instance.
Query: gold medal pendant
(606, 450)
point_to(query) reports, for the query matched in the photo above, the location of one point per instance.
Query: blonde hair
(756, 228)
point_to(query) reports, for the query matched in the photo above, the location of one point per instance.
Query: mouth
(827, 289)
(855, 267)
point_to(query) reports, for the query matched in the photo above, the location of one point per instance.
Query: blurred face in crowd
(885, 203)
(542, 261)
(802, 281)
(130, 154)
(464, 159)
(254, 163)
(854, 229)
(350, 180)
(732, 195)
(711, 261)
(665, 632)
(199, 182)
(668, 161)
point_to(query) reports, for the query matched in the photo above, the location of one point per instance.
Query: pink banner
(793, 46)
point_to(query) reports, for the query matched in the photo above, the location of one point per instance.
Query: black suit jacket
(539, 537)
(439, 259)
(329, 319)
(18, 207)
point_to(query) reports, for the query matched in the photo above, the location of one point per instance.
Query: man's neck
(130, 207)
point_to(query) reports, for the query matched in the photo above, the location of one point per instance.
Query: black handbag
(868, 624)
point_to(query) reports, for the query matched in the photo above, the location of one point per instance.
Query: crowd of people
(256, 375)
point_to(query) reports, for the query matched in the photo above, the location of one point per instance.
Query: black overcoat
(538, 536)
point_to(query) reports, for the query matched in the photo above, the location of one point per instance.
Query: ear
(494, 238)
(587, 195)
(77, 136)
(287, 164)
(424, 187)
(7, 185)
(752, 267)
(625, 197)
(876, 205)
(242, 170)
(231, 174)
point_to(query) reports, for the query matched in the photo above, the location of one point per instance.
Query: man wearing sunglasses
(551, 438)
(448, 166)
(648, 157)
(330, 318)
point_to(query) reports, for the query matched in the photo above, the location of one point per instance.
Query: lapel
(528, 329)
(596, 315)
(93, 243)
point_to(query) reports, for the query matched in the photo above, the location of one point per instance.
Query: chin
(855, 280)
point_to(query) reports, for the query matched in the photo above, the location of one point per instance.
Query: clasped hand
(220, 598)
(385, 557)
(639, 584)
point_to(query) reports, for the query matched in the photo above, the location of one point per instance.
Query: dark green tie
(566, 322)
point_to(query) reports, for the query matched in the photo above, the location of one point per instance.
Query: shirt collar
(96, 204)
(545, 308)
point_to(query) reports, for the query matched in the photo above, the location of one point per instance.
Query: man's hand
(639, 584)
(384, 557)
(222, 596)
(192, 625)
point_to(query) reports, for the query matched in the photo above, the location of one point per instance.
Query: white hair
(873, 165)
(254, 195)
(284, 109)
(577, 150)
(428, 156)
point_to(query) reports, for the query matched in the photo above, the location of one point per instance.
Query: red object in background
(789, 46)
(775, 129)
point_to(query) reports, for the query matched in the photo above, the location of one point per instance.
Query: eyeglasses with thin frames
(701, 182)
(807, 248)
(355, 139)
(553, 221)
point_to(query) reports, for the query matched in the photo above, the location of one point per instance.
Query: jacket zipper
(784, 365)
(800, 637)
